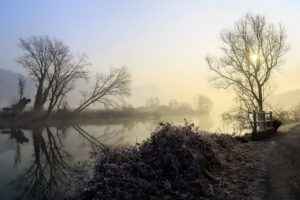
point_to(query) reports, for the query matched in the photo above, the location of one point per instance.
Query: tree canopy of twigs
(66, 73)
(52, 67)
(107, 88)
(252, 51)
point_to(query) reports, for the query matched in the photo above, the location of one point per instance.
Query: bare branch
(250, 37)
(116, 84)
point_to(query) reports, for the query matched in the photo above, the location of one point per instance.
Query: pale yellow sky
(163, 43)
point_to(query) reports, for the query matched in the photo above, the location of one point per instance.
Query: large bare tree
(252, 51)
(52, 67)
(107, 88)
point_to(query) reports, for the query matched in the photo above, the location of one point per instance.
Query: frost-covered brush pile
(176, 162)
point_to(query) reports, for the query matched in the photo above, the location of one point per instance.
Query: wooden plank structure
(261, 120)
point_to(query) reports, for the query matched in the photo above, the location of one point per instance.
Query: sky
(163, 42)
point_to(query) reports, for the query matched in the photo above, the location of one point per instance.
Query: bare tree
(51, 66)
(21, 87)
(252, 50)
(64, 77)
(107, 88)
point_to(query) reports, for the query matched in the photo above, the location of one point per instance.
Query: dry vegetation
(179, 162)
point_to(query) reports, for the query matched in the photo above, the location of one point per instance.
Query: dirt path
(283, 165)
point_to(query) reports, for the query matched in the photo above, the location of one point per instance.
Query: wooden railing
(261, 120)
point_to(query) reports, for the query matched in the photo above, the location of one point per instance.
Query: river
(35, 162)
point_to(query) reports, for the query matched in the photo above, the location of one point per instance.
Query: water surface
(37, 163)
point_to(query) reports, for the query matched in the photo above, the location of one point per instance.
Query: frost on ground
(179, 162)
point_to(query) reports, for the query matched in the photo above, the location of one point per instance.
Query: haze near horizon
(162, 43)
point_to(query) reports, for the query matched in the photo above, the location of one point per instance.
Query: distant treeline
(201, 105)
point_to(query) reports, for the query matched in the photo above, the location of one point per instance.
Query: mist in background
(162, 43)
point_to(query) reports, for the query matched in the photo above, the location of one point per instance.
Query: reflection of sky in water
(73, 144)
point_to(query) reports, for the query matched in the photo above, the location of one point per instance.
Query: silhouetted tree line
(54, 70)
(200, 105)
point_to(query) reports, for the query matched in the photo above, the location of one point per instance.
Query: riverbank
(27, 116)
(179, 162)
(28, 119)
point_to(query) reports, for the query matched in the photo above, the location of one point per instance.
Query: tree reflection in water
(18, 135)
(92, 140)
(51, 169)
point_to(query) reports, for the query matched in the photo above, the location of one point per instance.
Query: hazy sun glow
(253, 58)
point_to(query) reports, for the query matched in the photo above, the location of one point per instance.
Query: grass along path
(283, 164)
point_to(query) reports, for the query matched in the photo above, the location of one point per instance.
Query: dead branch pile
(176, 162)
